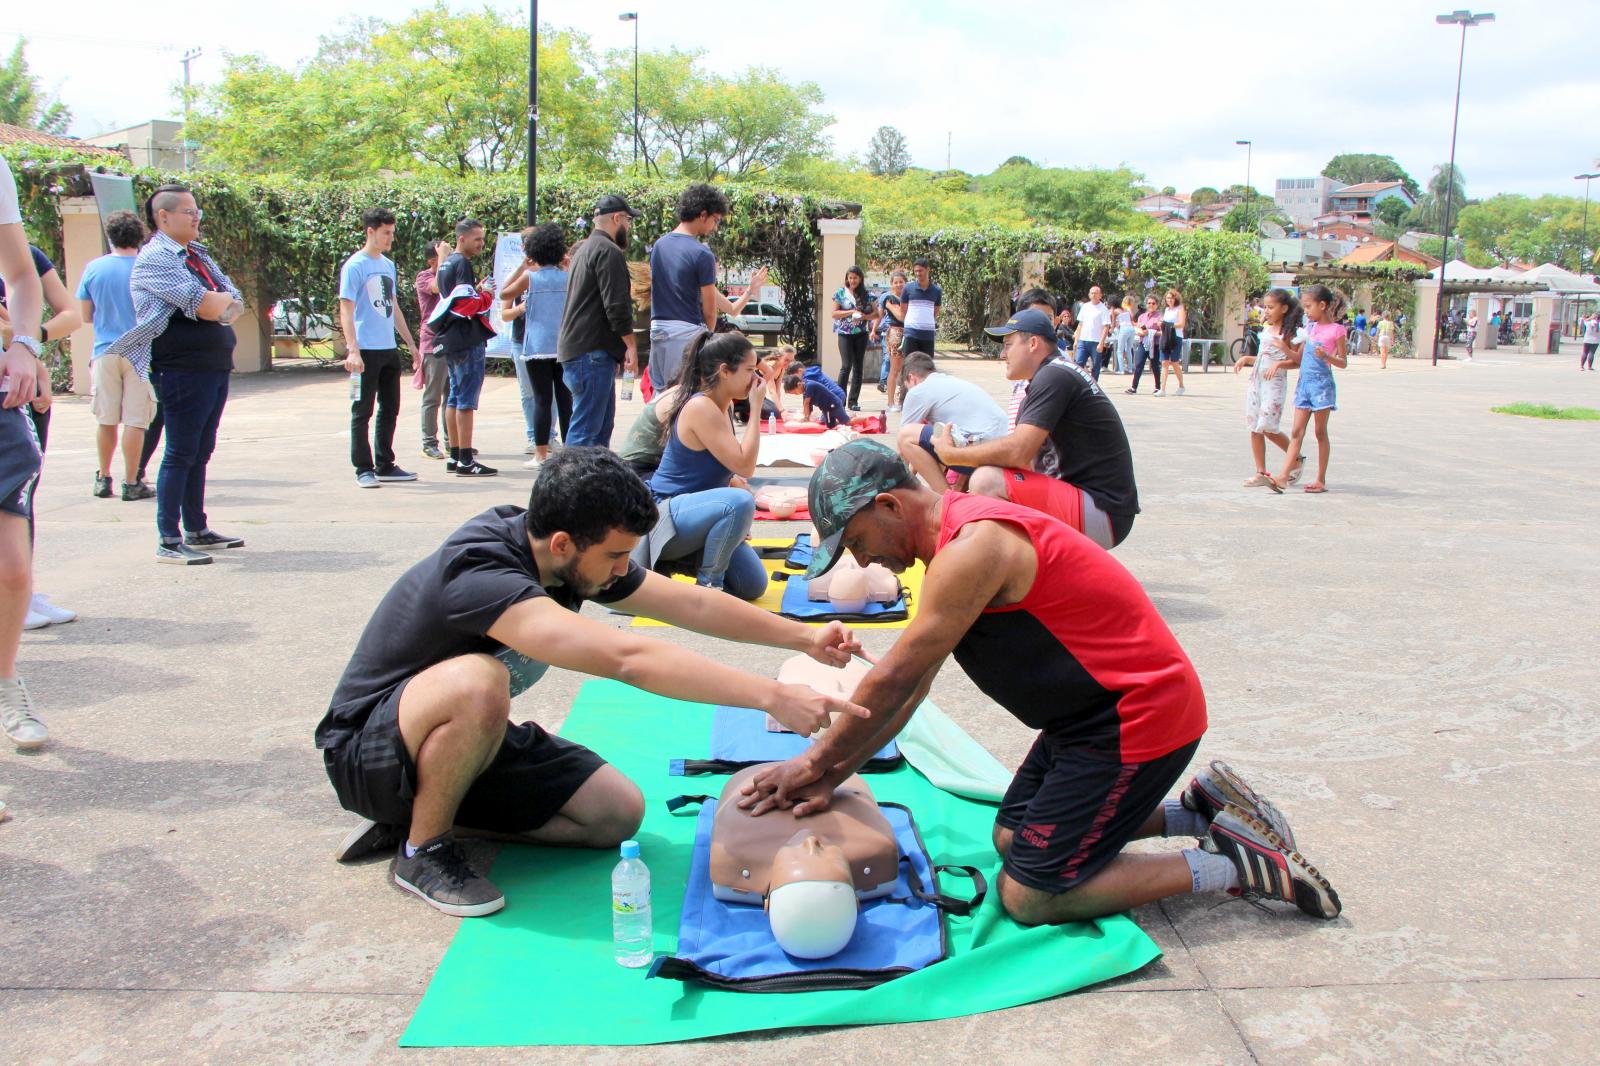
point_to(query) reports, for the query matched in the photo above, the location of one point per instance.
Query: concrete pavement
(1404, 664)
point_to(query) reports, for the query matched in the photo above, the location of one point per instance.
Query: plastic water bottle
(630, 909)
(355, 385)
(627, 384)
(772, 423)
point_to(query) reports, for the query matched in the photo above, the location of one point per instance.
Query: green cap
(850, 477)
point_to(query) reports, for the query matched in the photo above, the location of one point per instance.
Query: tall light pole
(533, 108)
(1466, 20)
(1584, 244)
(188, 57)
(633, 17)
(1249, 150)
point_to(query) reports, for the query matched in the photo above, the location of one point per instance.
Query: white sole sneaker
(35, 620)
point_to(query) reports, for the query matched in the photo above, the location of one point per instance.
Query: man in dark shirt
(1068, 455)
(597, 324)
(1057, 632)
(683, 281)
(416, 738)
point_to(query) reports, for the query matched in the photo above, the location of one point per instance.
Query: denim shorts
(466, 379)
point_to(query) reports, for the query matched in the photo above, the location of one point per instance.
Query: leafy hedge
(979, 269)
(285, 237)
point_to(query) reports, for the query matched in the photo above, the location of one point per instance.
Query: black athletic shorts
(20, 460)
(1071, 811)
(910, 344)
(532, 777)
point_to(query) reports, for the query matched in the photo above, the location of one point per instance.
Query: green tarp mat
(540, 972)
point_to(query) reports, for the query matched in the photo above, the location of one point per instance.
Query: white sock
(1210, 873)
(410, 851)
(1182, 822)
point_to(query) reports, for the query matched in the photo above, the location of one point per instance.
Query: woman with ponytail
(705, 515)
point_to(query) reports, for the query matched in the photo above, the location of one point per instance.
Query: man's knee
(481, 688)
(988, 481)
(909, 439)
(1030, 906)
(1002, 840)
(615, 814)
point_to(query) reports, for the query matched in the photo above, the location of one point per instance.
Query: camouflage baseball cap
(850, 477)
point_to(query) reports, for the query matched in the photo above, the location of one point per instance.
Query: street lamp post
(533, 108)
(1249, 150)
(188, 57)
(1583, 245)
(1464, 19)
(633, 17)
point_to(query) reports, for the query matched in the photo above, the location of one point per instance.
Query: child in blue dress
(1315, 397)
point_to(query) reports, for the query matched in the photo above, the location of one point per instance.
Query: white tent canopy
(1560, 280)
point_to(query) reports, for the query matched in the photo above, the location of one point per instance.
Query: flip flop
(1314, 488)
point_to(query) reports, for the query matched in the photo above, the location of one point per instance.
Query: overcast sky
(1164, 87)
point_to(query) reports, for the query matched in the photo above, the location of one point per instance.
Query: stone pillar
(1424, 321)
(1033, 265)
(1544, 309)
(1231, 315)
(838, 254)
(252, 352)
(1488, 336)
(82, 240)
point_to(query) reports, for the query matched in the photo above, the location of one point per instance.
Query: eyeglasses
(195, 211)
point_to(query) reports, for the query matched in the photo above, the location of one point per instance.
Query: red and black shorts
(1070, 810)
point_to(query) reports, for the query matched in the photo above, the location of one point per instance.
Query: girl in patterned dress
(1282, 341)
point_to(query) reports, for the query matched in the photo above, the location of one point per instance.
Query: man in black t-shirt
(417, 739)
(1068, 455)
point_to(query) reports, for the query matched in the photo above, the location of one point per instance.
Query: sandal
(1258, 480)
(1297, 469)
(1315, 488)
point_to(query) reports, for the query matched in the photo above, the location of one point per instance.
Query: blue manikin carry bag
(798, 605)
(730, 946)
(740, 738)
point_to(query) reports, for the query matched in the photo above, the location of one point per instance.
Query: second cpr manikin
(808, 872)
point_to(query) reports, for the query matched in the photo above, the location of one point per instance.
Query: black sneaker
(394, 473)
(451, 466)
(180, 554)
(440, 874)
(475, 469)
(369, 838)
(210, 538)
(139, 490)
(102, 487)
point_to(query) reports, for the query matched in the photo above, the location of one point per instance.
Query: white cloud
(1164, 86)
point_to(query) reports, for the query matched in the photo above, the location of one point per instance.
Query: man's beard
(621, 236)
(568, 575)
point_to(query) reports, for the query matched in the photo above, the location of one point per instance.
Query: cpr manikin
(809, 872)
(781, 501)
(850, 586)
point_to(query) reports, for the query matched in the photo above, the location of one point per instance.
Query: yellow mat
(772, 599)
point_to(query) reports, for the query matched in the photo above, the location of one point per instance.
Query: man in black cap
(1068, 455)
(597, 326)
(1057, 632)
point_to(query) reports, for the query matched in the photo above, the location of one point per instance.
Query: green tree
(439, 90)
(1169, 190)
(1204, 196)
(1091, 199)
(1352, 168)
(1545, 229)
(1429, 212)
(887, 154)
(1391, 211)
(1017, 161)
(22, 103)
(701, 125)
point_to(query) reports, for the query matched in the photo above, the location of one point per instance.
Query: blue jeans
(1085, 352)
(193, 402)
(714, 524)
(1127, 341)
(591, 379)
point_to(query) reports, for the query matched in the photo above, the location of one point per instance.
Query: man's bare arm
(1016, 449)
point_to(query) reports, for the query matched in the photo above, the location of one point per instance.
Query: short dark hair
(701, 199)
(1029, 297)
(919, 363)
(919, 262)
(586, 492)
(466, 226)
(373, 217)
(545, 244)
(164, 194)
(124, 229)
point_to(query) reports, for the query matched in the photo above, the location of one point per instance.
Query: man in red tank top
(1057, 632)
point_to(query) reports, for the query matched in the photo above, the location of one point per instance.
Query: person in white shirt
(934, 400)
(1094, 331)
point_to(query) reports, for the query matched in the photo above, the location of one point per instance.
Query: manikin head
(811, 898)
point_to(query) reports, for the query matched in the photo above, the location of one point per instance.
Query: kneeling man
(1057, 632)
(417, 739)
(933, 401)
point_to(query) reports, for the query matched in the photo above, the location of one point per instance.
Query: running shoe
(102, 487)
(1218, 785)
(440, 874)
(139, 490)
(475, 469)
(368, 838)
(431, 451)
(1268, 869)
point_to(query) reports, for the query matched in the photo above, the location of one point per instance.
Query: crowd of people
(417, 739)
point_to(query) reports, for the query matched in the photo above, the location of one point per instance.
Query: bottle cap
(630, 849)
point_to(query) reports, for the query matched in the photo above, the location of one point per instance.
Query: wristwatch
(30, 343)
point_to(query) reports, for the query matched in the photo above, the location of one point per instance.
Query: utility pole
(1464, 19)
(188, 57)
(1249, 152)
(1583, 246)
(533, 109)
(638, 140)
